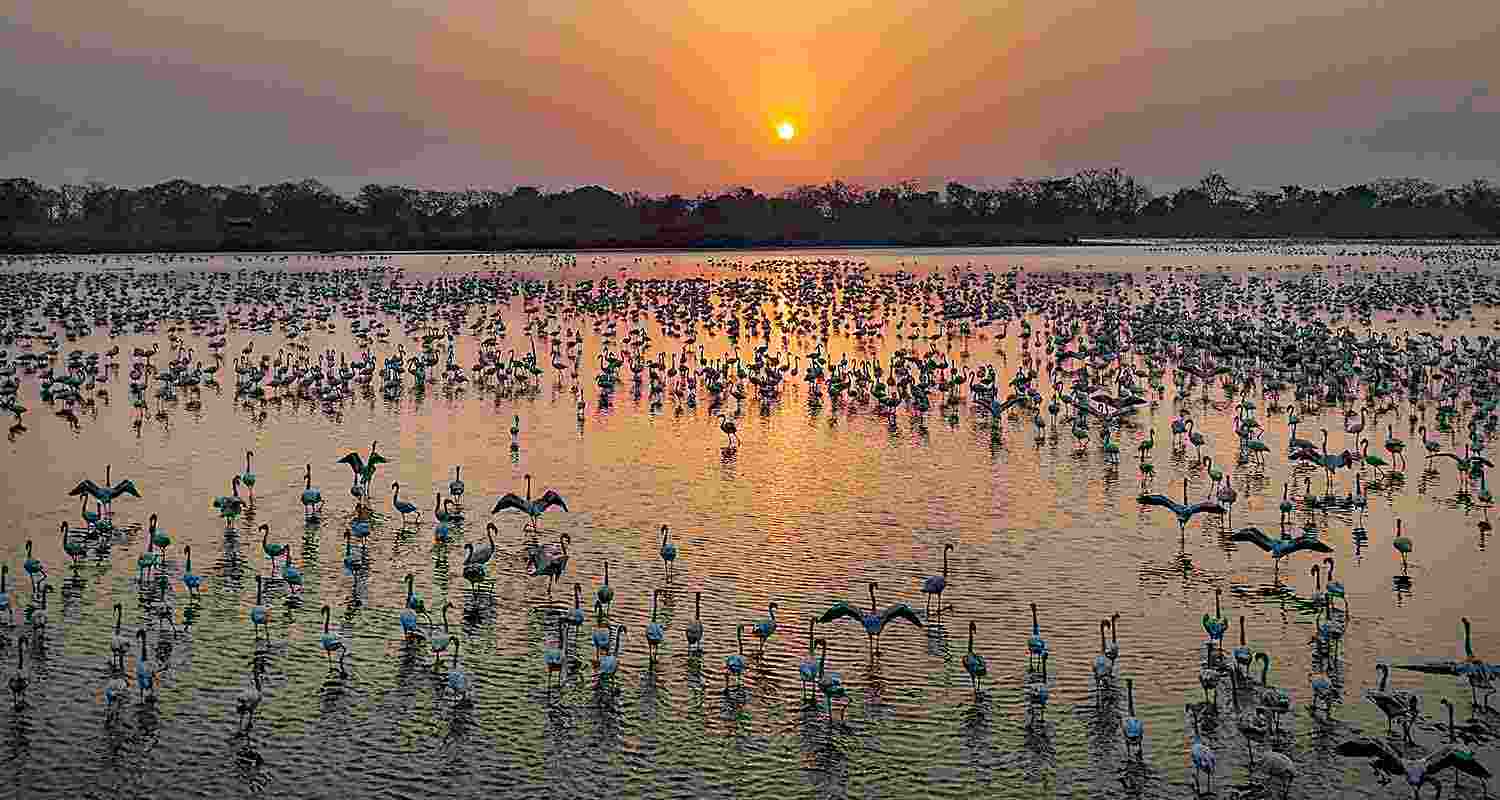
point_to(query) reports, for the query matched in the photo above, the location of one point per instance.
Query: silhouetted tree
(181, 214)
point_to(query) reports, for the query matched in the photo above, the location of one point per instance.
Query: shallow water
(813, 504)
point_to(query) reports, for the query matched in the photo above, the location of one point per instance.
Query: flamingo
(556, 565)
(144, 562)
(146, 670)
(1203, 756)
(874, 621)
(1196, 438)
(1416, 771)
(1242, 654)
(191, 581)
(655, 633)
(973, 662)
(73, 550)
(1402, 545)
(119, 645)
(934, 585)
(1282, 547)
(668, 551)
(1275, 700)
(1395, 447)
(5, 601)
(1479, 674)
(248, 701)
(458, 680)
(442, 531)
(290, 573)
(402, 507)
(273, 550)
(553, 658)
(532, 508)
(1135, 732)
(831, 684)
(312, 499)
(1036, 646)
(574, 616)
(18, 681)
(363, 468)
(248, 477)
(1472, 767)
(105, 494)
(259, 616)
(605, 595)
(1336, 588)
(734, 663)
(475, 574)
(1183, 511)
(410, 628)
(694, 632)
(807, 669)
(330, 641)
(1215, 626)
(602, 637)
(439, 641)
(479, 556)
(229, 506)
(1397, 705)
(610, 664)
(765, 627)
(35, 569)
(116, 690)
(91, 519)
(1104, 667)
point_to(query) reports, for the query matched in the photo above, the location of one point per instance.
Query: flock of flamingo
(1094, 349)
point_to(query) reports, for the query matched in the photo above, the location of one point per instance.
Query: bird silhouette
(1184, 512)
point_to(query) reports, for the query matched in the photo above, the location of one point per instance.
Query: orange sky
(643, 95)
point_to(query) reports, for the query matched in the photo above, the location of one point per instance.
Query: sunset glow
(635, 97)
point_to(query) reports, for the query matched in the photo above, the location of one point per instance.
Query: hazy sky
(684, 95)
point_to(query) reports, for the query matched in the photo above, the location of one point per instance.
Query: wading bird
(874, 621)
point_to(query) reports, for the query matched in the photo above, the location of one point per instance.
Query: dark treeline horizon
(180, 215)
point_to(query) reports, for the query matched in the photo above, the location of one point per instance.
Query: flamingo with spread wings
(1281, 547)
(532, 508)
(1184, 512)
(1416, 771)
(364, 469)
(874, 621)
(105, 494)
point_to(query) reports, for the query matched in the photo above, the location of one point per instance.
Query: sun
(786, 131)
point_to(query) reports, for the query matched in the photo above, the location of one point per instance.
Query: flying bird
(874, 621)
(1184, 512)
(532, 508)
(1281, 547)
(1416, 771)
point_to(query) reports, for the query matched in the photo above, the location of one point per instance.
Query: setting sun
(785, 130)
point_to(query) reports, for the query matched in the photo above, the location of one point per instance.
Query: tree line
(180, 215)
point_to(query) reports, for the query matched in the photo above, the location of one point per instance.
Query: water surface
(816, 501)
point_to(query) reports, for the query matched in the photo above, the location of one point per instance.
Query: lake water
(817, 500)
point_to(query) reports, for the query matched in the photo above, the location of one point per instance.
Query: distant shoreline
(1100, 206)
(11, 248)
